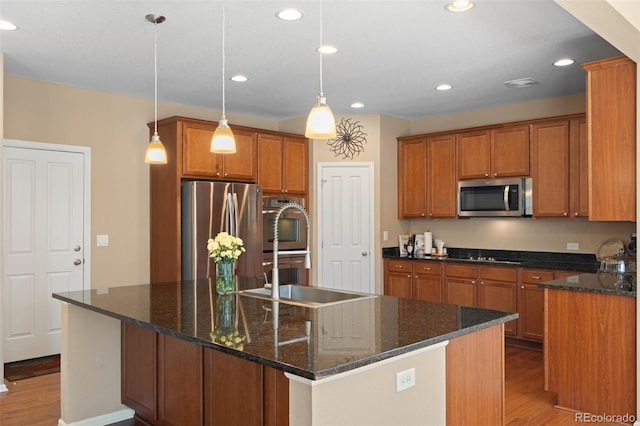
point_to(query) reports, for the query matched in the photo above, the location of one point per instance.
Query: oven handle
(276, 211)
(282, 262)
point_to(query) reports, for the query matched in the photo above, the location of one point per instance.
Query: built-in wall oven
(292, 235)
(292, 227)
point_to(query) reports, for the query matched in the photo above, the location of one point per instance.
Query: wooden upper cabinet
(510, 151)
(441, 176)
(494, 153)
(199, 161)
(283, 164)
(550, 168)
(474, 154)
(611, 118)
(412, 177)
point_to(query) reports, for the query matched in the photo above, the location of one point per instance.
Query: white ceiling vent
(521, 82)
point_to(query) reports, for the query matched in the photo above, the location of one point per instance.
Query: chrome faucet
(275, 281)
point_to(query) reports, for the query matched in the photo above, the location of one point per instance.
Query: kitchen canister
(428, 242)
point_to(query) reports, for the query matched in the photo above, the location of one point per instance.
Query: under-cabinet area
(503, 288)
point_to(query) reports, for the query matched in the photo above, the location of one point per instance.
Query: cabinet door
(399, 284)
(510, 151)
(412, 177)
(474, 154)
(578, 163)
(460, 291)
(427, 287)
(243, 165)
(531, 311)
(441, 176)
(139, 367)
(501, 296)
(276, 397)
(197, 158)
(270, 163)
(550, 162)
(180, 381)
(226, 377)
(295, 165)
(611, 114)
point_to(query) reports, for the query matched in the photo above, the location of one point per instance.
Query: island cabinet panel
(180, 382)
(531, 303)
(412, 177)
(276, 397)
(611, 116)
(139, 371)
(475, 385)
(283, 164)
(232, 390)
(497, 290)
(590, 351)
(460, 282)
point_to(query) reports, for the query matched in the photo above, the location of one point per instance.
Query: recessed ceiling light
(7, 26)
(327, 49)
(289, 15)
(563, 62)
(239, 78)
(357, 105)
(443, 87)
(459, 6)
(521, 83)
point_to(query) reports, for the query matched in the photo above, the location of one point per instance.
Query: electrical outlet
(102, 240)
(385, 235)
(405, 379)
(573, 246)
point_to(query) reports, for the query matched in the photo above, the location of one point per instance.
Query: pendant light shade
(156, 154)
(320, 123)
(223, 141)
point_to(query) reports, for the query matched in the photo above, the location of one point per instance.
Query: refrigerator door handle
(228, 225)
(236, 223)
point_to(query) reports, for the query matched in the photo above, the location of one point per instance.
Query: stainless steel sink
(311, 297)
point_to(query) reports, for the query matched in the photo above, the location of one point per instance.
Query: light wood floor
(36, 402)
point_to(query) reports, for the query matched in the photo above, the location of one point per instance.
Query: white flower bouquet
(225, 248)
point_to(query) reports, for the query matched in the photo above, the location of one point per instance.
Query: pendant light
(320, 123)
(223, 141)
(156, 154)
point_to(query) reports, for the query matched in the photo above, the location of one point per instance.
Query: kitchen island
(185, 349)
(590, 345)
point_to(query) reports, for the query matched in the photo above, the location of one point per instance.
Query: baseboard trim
(105, 419)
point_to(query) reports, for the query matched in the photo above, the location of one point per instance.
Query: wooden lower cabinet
(168, 381)
(413, 279)
(531, 303)
(427, 281)
(460, 284)
(497, 290)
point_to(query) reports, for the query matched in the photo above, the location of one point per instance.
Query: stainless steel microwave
(495, 197)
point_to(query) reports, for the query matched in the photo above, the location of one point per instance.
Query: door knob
(364, 253)
(76, 248)
(77, 262)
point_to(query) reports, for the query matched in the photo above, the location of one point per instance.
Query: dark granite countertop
(342, 336)
(525, 259)
(601, 282)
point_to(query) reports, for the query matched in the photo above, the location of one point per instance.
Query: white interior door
(345, 206)
(43, 246)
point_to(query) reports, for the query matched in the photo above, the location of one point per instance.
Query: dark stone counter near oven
(328, 345)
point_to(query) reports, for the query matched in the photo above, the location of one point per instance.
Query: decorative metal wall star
(349, 140)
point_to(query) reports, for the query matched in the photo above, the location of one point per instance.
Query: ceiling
(391, 53)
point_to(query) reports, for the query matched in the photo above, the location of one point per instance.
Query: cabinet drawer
(496, 273)
(535, 276)
(427, 268)
(463, 271)
(399, 265)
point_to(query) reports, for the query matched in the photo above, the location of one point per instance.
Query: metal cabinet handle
(409, 276)
(566, 214)
(522, 287)
(77, 262)
(535, 277)
(427, 269)
(575, 214)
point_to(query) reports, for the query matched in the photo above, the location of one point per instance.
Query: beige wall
(114, 127)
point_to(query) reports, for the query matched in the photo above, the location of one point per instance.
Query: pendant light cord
(320, 49)
(223, 62)
(155, 74)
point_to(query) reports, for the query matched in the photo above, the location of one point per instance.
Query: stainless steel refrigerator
(212, 207)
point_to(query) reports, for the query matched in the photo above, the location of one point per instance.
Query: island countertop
(601, 282)
(342, 336)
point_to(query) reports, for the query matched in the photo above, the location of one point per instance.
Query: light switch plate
(573, 246)
(102, 240)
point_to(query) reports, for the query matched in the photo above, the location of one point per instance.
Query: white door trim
(86, 152)
(368, 165)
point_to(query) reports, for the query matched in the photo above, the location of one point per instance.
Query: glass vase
(225, 283)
